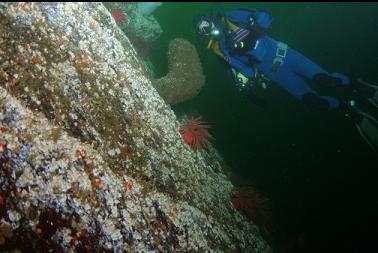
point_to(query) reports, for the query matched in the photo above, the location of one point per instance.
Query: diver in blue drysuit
(239, 37)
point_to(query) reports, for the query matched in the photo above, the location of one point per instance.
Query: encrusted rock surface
(91, 157)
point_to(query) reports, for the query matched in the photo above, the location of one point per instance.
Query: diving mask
(206, 27)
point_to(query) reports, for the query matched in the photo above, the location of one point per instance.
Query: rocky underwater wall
(91, 157)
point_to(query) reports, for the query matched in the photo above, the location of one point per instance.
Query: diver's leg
(307, 68)
(366, 124)
(296, 86)
(327, 80)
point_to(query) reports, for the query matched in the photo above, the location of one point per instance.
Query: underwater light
(215, 32)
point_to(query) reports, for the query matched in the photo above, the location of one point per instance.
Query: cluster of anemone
(253, 205)
(195, 133)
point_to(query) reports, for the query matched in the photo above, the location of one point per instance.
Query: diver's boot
(365, 123)
(368, 90)
(326, 80)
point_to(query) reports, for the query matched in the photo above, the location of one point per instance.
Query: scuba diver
(239, 38)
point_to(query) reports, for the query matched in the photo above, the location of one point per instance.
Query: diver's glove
(241, 81)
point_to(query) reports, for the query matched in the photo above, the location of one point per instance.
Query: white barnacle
(14, 216)
(72, 116)
(111, 152)
(71, 55)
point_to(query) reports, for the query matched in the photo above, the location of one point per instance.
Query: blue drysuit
(295, 67)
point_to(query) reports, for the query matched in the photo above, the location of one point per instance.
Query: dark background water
(318, 173)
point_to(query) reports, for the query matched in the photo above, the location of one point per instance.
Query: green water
(315, 168)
